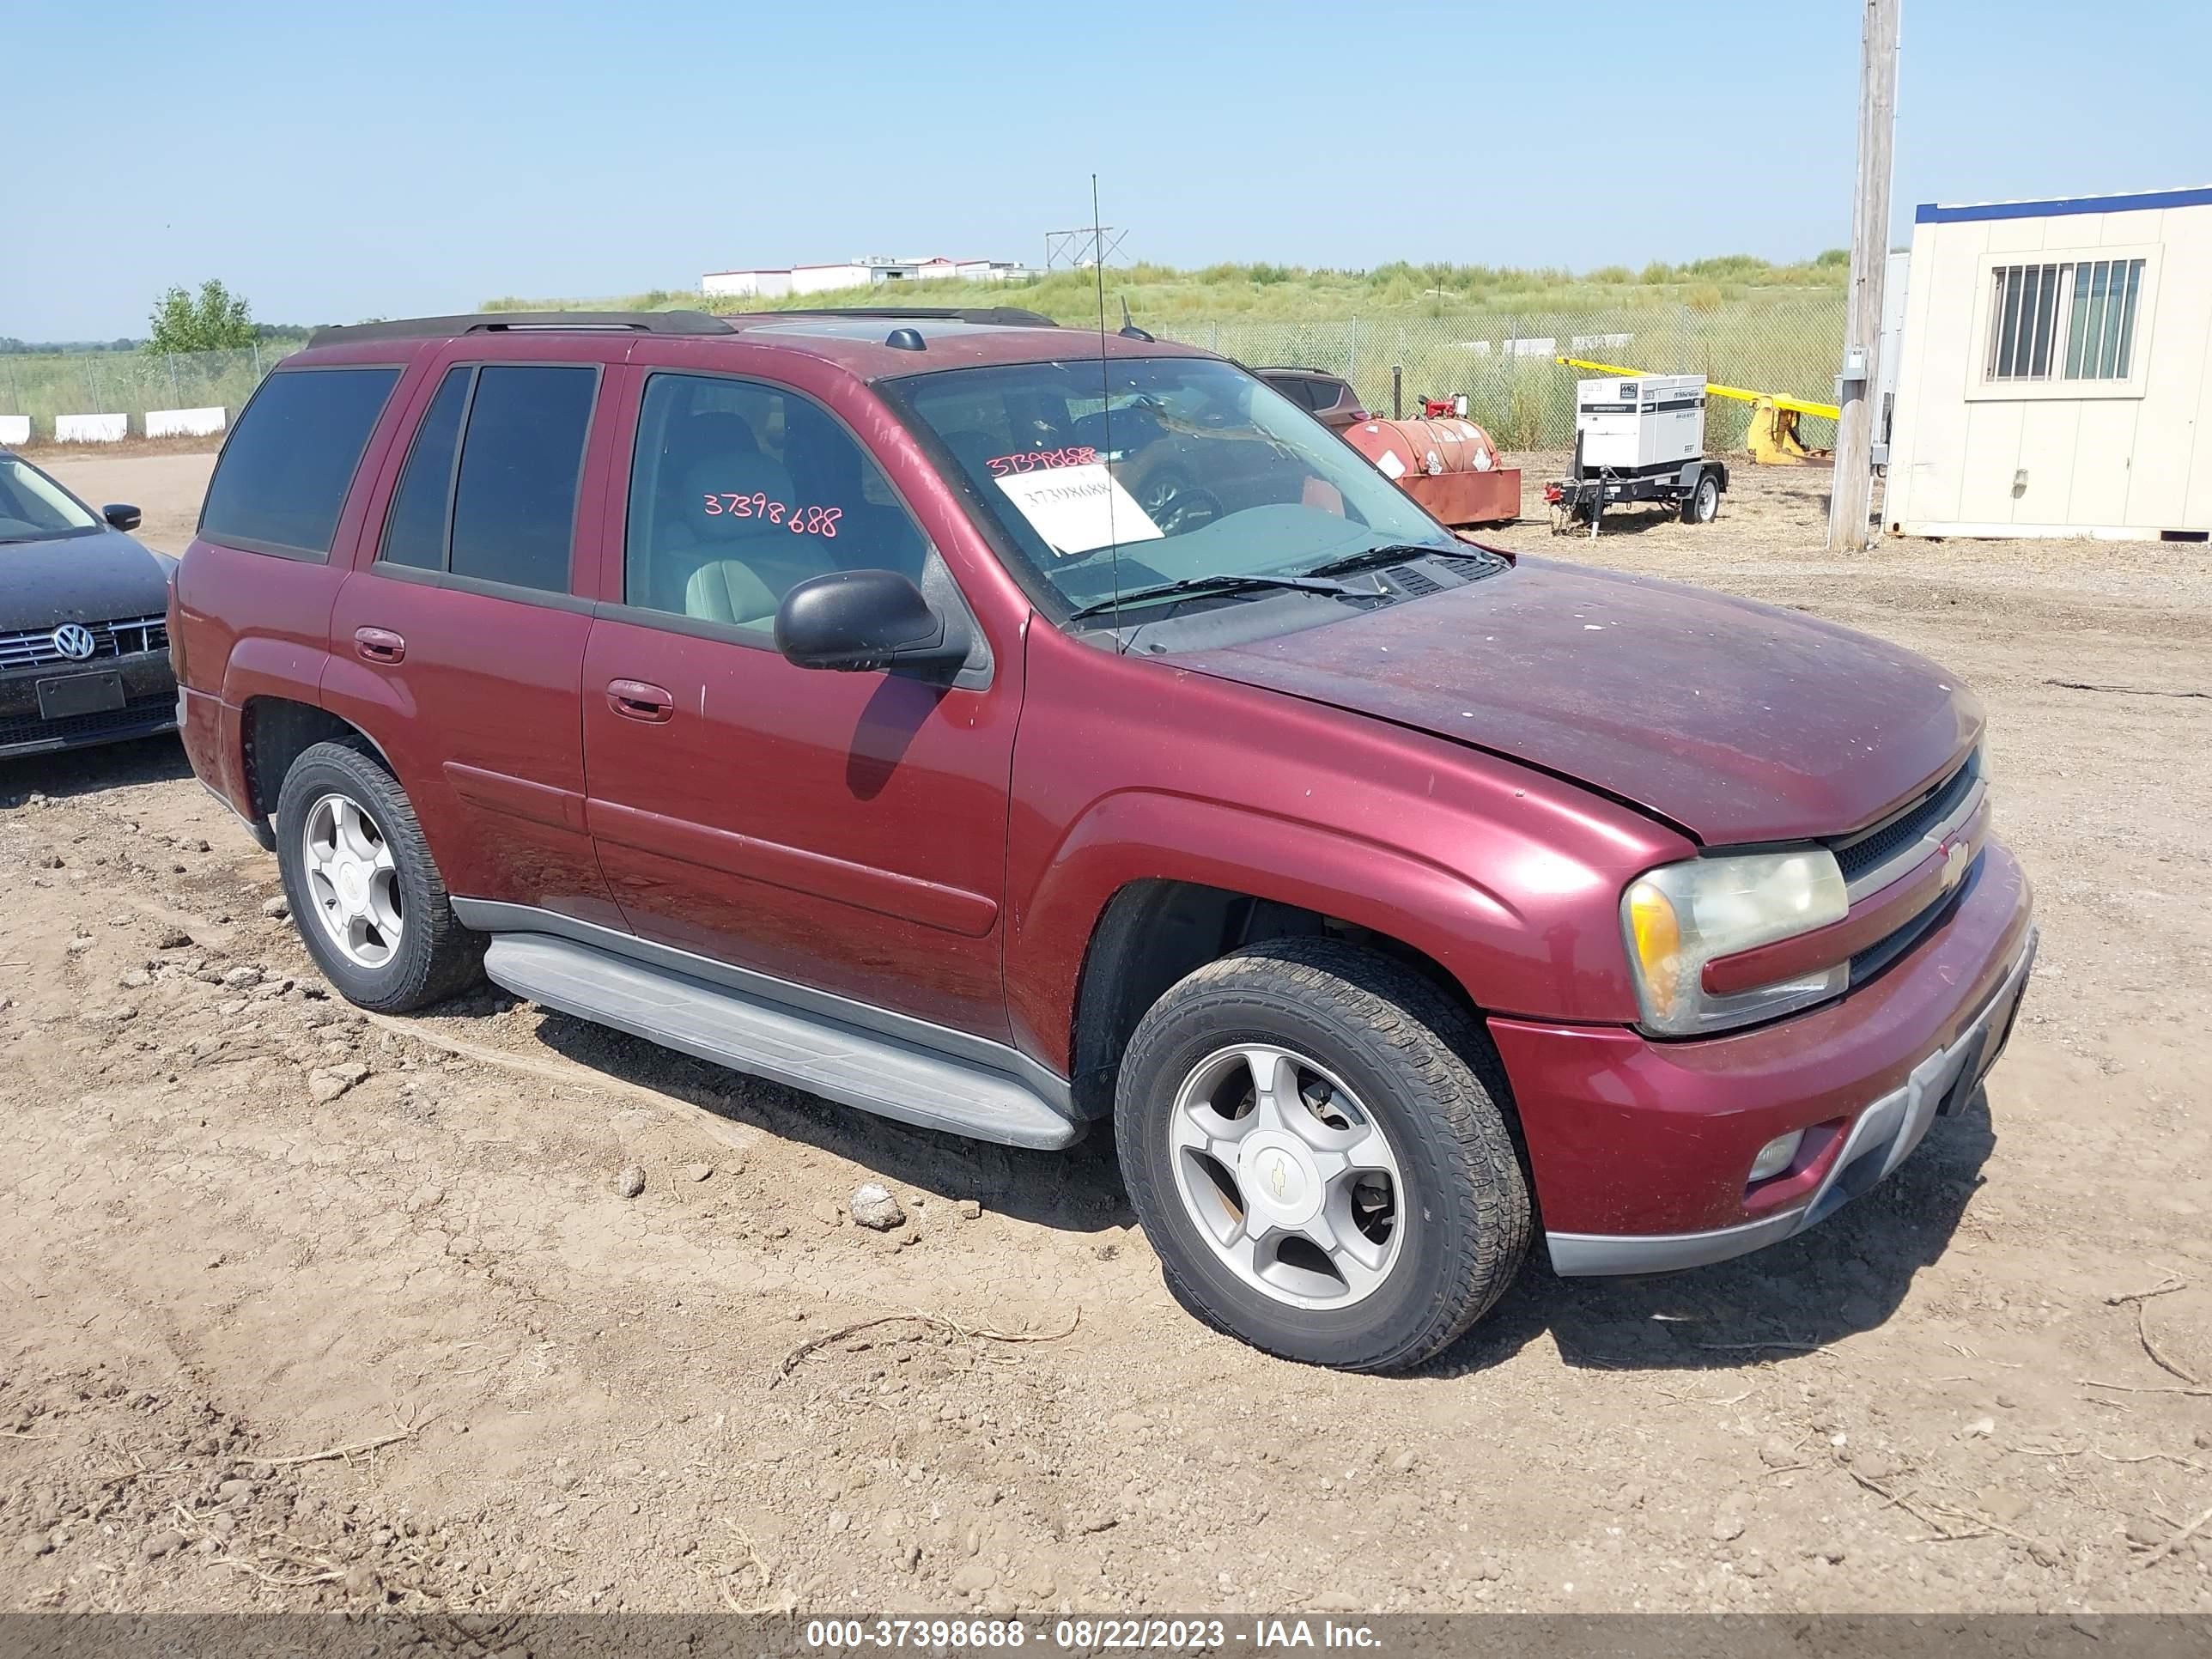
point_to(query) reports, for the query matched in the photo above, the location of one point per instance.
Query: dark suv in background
(1328, 395)
(999, 728)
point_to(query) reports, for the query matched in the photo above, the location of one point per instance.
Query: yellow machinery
(1773, 437)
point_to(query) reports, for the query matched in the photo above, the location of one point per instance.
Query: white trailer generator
(1638, 438)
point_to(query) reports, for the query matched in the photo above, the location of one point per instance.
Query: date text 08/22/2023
(1092, 1634)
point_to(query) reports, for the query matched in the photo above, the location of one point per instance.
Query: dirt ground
(300, 1309)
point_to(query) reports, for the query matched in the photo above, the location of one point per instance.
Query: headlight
(1680, 917)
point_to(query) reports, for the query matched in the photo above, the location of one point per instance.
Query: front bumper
(1640, 1149)
(1878, 1139)
(149, 706)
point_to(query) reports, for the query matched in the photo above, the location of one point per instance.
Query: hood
(84, 579)
(1736, 721)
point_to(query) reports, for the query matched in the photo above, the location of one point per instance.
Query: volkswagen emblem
(74, 642)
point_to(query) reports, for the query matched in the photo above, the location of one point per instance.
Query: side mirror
(857, 620)
(121, 515)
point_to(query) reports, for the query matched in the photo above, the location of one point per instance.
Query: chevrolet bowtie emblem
(1957, 855)
(1275, 1175)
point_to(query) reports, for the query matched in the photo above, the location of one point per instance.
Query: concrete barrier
(183, 423)
(91, 429)
(15, 429)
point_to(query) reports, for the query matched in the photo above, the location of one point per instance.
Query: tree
(217, 321)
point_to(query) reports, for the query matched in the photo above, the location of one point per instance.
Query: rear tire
(365, 893)
(1440, 1206)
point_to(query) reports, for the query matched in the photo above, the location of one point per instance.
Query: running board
(877, 1074)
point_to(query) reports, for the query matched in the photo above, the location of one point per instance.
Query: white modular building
(2056, 370)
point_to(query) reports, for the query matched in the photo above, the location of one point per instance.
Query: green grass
(1737, 319)
(1162, 295)
(43, 385)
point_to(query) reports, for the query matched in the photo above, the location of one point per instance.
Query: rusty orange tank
(1446, 463)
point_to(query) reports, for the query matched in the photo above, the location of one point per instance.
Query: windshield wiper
(1392, 553)
(1311, 582)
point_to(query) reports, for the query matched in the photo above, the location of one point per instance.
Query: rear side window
(514, 501)
(415, 530)
(282, 479)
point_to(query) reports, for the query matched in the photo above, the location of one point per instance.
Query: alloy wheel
(352, 880)
(1287, 1175)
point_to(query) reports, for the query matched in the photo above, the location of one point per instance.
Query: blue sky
(336, 161)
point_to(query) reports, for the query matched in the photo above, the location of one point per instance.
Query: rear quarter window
(283, 475)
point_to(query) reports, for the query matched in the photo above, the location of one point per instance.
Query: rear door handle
(636, 700)
(378, 644)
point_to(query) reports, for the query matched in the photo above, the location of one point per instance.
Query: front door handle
(378, 644)
(636, 700)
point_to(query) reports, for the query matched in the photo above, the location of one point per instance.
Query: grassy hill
(1248, 293)
(1486, 331)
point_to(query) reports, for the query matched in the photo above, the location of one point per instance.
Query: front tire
(1313, 1139)
(365, 893)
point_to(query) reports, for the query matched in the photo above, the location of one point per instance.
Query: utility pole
(1851, 495)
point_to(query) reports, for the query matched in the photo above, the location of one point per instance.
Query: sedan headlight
(1680, 916)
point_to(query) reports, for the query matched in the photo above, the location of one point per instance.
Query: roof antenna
(1106, 410)
(1129, 329)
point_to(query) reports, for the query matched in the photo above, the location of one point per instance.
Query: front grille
(142, 714)
(1884, 950)
(1884, 841)
(125, 636)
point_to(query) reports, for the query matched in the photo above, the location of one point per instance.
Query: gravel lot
(300, 1309)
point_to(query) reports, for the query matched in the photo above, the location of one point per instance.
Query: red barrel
(1447, 464)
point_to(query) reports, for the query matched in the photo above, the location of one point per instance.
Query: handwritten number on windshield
(1033, 461)
(798, 520)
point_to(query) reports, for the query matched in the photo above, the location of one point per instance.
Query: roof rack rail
(1002, 316)
(507, 322)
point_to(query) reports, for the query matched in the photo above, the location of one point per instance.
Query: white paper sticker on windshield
(1077, 508)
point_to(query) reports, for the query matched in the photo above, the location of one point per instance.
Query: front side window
(1164, 470)
(2063, 320)
(741, 490)
(281, 482)
(34, 507)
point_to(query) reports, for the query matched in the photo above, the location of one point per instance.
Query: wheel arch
(275, 730)
(1152, 931)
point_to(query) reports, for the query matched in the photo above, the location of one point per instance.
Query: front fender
(1129, 770)
(1504, 956)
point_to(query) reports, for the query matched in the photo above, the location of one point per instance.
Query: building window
(2073, 320)
(2101, 337)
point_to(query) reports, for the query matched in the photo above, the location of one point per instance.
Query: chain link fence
(1503, 361)
(45, 385)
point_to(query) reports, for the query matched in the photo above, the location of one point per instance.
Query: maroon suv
(1000, 729)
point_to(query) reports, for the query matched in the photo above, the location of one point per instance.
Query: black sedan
(84, 637)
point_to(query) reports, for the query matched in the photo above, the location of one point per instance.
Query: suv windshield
(34, 507)
(1165, 470)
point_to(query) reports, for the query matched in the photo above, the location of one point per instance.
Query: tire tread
(1452, 1068)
